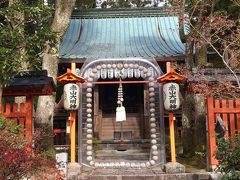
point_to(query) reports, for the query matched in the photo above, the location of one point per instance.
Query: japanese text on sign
(71, 96)
(171, 96)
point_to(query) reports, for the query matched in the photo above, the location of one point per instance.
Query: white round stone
(155, 153)
(155, 158)
(152, 115)
(114, 65)
(151, 89)
(152, 162)
(99, 67)
(89, 85)
(143, 165)
(109, 66)
(89, 89)
(89, 110)
(89, 115)
(125, 66)
(151, 94)
(152, 99)
(92, 163)
(89, 95)
(119, 65)
(153, 136)
(148, 164)
(135, 66)
(89, 125)
(94, 70)
(151, 84)
(97, 164)
(131, 65)
(154, 141)
(128, 164)
(154, 147)
(91, 75)
(89, 153)
(152, 119)
(104, 66)
(153, 125)
(152, 105)
(89, 158)
(89, 136)
(145, 70)
(89, 141)
(89, 148)
(141, 68)
(89, 100)
(152, 110)
(106, 164)
(89, 105)
(89, 120)
(89, 131)
(90, 79)
(149, 73)
(153, 130)
(133, 165)
(122, 164)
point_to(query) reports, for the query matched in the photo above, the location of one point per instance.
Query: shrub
(228, 155)
(18, 157)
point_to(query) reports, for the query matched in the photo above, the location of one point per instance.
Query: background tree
(24, 29)
(213, 29)
(46, 104)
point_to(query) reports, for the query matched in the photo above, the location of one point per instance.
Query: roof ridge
(125, 12)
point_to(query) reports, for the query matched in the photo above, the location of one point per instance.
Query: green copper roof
(95, 37)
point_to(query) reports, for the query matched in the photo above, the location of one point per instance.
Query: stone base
(74, 170)
(173, 168)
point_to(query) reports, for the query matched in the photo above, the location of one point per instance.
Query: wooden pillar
(172, 137)
(73, 126)
(73, 136)
(29, 114)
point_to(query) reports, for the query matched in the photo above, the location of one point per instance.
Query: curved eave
(122, 37)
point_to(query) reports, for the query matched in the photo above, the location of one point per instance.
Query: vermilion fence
(21, 114)
(227, 110)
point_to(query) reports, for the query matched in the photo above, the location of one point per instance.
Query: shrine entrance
(102, 140)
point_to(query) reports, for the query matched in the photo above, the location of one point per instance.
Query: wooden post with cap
(171, 76)
(71, 77)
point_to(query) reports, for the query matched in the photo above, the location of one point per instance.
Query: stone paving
(138, 174)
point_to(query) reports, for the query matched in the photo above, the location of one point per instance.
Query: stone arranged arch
(113, 68)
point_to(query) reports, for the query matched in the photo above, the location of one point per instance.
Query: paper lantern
(71, 96)
(171, 96)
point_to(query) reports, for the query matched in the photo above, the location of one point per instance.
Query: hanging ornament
(120, 110)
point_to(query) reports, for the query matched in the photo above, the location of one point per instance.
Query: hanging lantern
(171, 96)
(71, 96)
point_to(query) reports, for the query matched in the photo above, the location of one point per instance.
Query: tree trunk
(1, 93)
(46, 104)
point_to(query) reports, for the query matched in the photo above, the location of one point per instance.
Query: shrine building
(120, 53)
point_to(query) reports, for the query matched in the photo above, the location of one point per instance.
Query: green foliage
(228, 155)
(24, 30)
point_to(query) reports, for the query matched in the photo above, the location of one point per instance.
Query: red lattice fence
(228, 110)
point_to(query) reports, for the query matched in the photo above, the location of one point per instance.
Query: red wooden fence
(21, 114)
(229, 111)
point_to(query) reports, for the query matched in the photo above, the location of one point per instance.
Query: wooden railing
(227, 111)
(21, 114)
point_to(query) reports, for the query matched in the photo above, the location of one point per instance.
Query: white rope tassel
(120, 110)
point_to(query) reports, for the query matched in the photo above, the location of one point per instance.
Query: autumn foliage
(18, 157)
